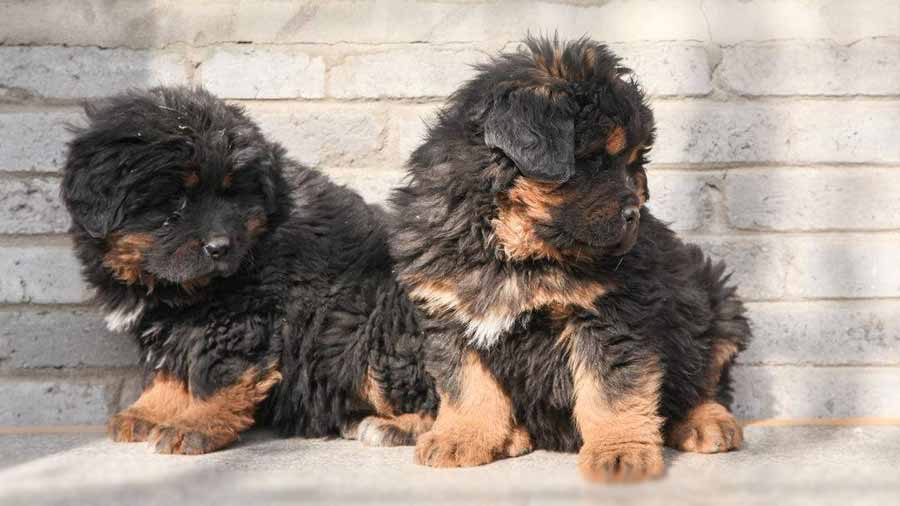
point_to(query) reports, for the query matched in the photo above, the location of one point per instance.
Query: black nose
(217, 247)
(631, 214)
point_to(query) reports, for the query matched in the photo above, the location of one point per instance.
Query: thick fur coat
(255, 288)
(560, 313)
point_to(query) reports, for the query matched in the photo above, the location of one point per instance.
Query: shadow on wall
(804, 252)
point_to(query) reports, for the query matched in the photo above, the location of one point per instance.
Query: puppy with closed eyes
(256, 289)
(561, 314)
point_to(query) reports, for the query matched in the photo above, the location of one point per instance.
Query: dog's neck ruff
(490, 312)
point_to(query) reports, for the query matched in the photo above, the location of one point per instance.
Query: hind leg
(384, 427)
(709, 427)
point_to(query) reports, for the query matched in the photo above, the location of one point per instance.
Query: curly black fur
(565, 125)
(304, 281)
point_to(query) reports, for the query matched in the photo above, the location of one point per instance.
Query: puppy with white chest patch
(560, 313)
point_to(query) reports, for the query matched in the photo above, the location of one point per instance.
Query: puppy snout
(217, 247)
(631, 214)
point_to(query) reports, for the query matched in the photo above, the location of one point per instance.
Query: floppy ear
(92, 190)
(535, 132)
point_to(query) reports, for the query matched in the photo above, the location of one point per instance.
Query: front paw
(708, 428)
(624, 463)
(456, 448)
(469, 447)
(129, 427)
(182, 440)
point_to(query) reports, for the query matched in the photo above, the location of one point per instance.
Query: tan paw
(129, 427)
(457, 448)
(708, 428)
(173, 439)
(468, 447)
(624, 463)
(519, 443)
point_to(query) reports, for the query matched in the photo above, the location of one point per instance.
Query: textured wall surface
(778, 149)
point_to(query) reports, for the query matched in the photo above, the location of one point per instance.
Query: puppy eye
(172, 219)
(175, 217)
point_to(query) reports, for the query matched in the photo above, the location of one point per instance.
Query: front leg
(475, 424)
(162, 400)
(210, 423)
(616, 388)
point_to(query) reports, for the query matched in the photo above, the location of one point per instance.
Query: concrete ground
(819, 465)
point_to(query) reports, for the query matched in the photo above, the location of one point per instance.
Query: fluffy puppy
(244, 288)
(560, 313)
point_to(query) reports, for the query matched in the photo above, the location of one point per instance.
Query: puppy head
(173, 184)
(576, 130)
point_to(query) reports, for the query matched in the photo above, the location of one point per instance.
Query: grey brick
(41, 274)
(132, 387)
(34, 141)
(247, 71)
(76, 72)
(869, 67)
(847, 332)
(29, 206)
(760, 264)
(407, 126)
(139, 24)
(732, 21)
(683, 198)
(668, 68)
(30, 402)
(849, 265)
(814, 199)
(374, 185)
(403, 72)
(324, 134)
(61, 337)
(701, 131)
(809, 266)
(816, 392)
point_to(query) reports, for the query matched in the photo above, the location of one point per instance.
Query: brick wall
(778, 149)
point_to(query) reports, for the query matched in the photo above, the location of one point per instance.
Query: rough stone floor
(821, 465)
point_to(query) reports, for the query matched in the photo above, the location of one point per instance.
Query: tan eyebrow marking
(191, 179)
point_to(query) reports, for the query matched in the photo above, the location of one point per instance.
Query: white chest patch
(124, 318)
(484, 331)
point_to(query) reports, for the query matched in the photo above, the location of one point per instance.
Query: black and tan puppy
(561, 314)
(248, 280)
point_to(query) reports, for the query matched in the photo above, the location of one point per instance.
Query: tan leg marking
(374, 395)
(478, 428)
(722, 353)
(622, 440)
(161, 401)
(209, 424)
(709, 427)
